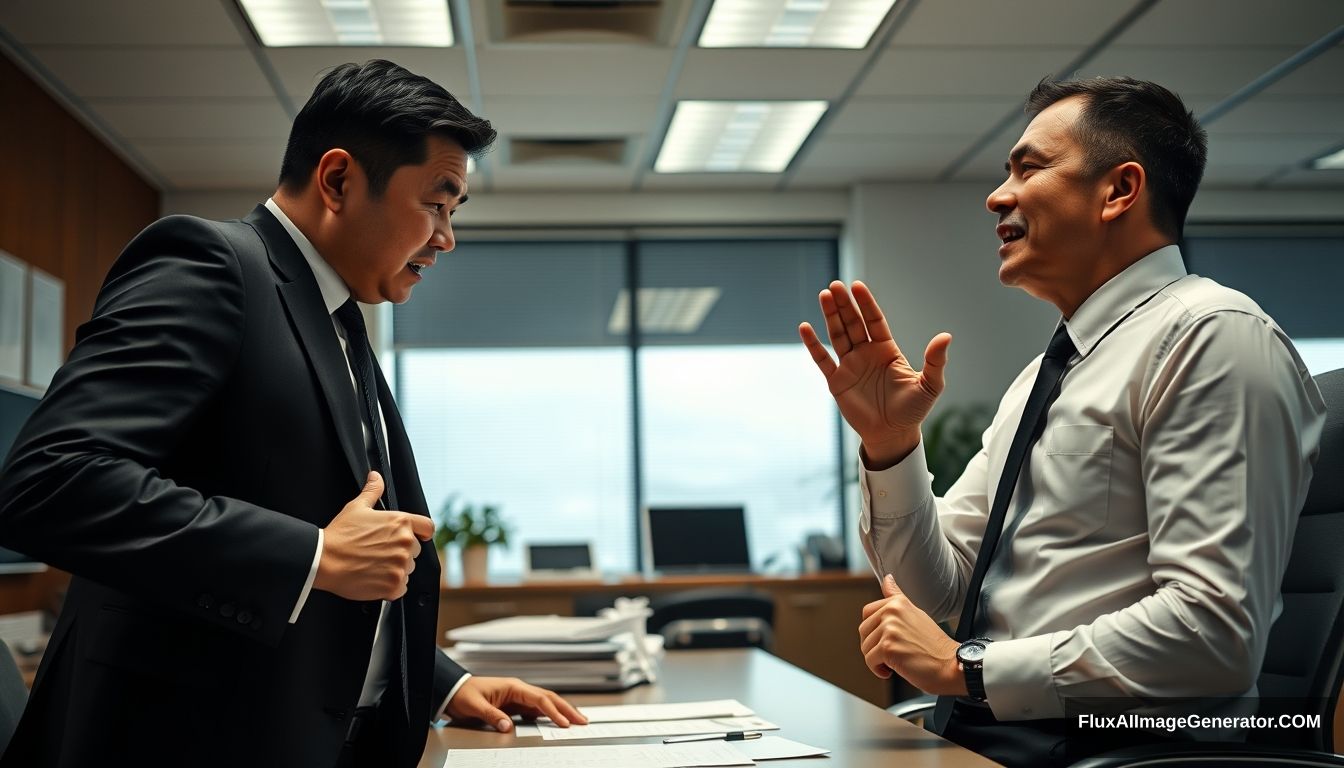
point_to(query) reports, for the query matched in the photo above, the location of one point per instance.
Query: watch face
(971, 652)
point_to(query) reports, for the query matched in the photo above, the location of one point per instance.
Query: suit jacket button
(226, 610)
(422, 600)
(206, 601)
(243, 617)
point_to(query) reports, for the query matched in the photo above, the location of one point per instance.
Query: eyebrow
(1017, 155)
(449, 186)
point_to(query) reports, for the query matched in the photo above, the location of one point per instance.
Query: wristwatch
(971, 655)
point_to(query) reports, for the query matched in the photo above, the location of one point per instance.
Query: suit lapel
(308, 314)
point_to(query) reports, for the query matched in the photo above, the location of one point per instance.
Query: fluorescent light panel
(793, 23)
(289, 23)
(1334, 160)
(736, 136)
(664, 310)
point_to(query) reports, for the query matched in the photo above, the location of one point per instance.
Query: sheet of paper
(551, 732)
(776, 748)
(526, 730)
(694, 755)
(639, 713)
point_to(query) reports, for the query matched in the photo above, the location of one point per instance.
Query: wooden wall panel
(67, 206)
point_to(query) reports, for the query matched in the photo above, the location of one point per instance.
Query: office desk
(816, 615)
(806, 708)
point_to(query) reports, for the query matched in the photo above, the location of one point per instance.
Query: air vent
(567, 151)
(583, 21)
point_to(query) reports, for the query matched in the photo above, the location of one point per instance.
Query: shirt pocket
(1077, 478)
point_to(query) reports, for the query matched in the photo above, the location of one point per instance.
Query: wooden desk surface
(806, 708)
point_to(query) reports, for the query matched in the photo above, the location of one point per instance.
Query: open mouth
(416, 268)
(1010, 232)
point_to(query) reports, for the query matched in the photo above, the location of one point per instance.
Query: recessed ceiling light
(793, 23)
(664, 310)
(288, 23)
(1334, 160)
(736, 136)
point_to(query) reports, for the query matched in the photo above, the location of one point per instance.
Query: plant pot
(474, 564)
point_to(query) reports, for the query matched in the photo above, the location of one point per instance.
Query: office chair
(13, 696)
(714, 618)
(1306, 644)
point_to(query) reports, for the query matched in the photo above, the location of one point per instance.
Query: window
(1293, 272)
(523, 385)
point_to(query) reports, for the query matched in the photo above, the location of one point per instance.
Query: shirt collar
(334, 291)
(1110, 303)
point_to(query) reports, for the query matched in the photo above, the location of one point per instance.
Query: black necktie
(1029, 429)
(361, 363)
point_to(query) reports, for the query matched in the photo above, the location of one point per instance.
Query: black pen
(730, 736)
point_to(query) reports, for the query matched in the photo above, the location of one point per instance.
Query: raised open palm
(882, 397)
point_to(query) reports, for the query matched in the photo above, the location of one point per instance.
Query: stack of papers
(563, 653)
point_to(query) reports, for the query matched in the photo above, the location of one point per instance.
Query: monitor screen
(559, 557)
(706, 539)
(15, 408)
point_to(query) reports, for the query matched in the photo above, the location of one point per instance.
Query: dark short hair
(1125, 120)
(381, 114)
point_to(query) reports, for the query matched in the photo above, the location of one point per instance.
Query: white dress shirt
(1156, 511)
(334, 294)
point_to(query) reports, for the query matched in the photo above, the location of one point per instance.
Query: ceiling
(184, 92)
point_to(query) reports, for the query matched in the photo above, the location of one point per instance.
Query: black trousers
(1034, 743)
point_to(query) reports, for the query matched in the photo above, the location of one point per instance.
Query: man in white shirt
(1148, 469)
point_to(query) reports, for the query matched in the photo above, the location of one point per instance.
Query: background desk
(807, 709)
(816, 616)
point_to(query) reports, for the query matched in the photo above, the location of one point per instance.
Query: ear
(1123, 185)
(334, 170)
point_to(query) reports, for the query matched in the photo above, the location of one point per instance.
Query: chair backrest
(714, 618)
(13, 696)
(1306, 644)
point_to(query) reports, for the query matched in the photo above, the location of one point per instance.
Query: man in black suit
(209, 464)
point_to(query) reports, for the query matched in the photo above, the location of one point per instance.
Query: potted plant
(475, 530)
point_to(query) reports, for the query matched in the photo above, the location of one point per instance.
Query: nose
(1003, 199)
(442, 238)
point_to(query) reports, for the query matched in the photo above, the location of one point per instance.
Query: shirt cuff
(896, 491)
(443, 708)
(1019, 683)
(308, 585)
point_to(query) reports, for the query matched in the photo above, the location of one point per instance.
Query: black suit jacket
(179, 466)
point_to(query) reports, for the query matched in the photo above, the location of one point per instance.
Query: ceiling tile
(903, 117)
(561, 178)
(1284, 115)
(1266, 149)
(655, 182)
(244, 119)
(894, 157)
(714, 73)
(141, 23)
(1322, 76)
(109, 73)
(1191, 73)
(1003, 73)
(215, 164)
(300, 69)
(562, 117)
(1027, 23)
(573, 71)
(1193, 23)
(1311, 179)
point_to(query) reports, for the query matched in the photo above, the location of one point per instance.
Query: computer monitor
(568, 560)
(695, 540)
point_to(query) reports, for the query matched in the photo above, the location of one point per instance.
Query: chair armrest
(914, 708)
(1209, 754)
